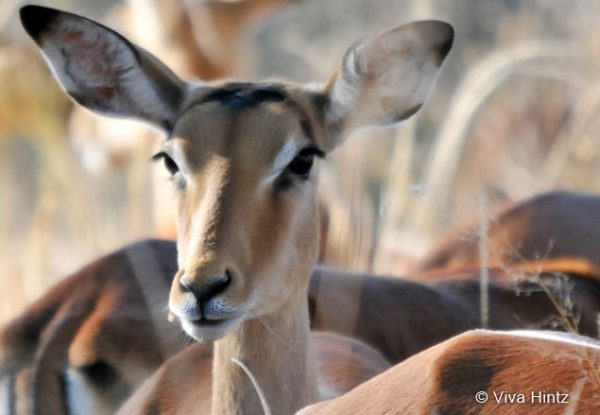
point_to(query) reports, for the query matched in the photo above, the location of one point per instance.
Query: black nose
(209, 290)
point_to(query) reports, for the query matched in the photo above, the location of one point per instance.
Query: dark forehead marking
(305, 120)
(240, 95)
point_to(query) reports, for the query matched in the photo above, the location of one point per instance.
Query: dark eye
(170, 165)
(302, 164)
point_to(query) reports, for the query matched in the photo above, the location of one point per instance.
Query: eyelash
(170, 165)
(301, 165)
(288, 176)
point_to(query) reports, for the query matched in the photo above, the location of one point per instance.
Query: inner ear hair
(102, 70)
(385, 79)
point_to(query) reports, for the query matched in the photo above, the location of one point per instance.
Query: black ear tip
(36, 19)
(440, 36)
(446, 45)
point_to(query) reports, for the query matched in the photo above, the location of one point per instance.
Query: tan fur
(166, 391)
(345, 363)
(445, 378)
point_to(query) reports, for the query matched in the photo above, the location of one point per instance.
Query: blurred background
(515, 113)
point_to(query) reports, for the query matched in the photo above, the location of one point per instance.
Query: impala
(249, 338)
(445, 378)
(97, 334)
(244, 161)
(558, 229)
(90, 335)
(101, 360)
(484, 372)
(401, 317)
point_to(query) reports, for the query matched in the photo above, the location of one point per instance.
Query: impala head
(243, 156)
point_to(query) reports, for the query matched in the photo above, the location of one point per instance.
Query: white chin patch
(210, 333)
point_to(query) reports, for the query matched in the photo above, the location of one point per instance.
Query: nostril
(219, 285)
(209, 290)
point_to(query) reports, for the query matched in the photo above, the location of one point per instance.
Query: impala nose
(207, 291)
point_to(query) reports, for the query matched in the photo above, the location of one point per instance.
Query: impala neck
(277, 351)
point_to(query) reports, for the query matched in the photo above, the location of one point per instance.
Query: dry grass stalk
(471, 95)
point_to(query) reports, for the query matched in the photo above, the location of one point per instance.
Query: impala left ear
(385, 79)
(103, 71)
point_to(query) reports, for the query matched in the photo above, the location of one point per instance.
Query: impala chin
(210, 330)
(207, 322)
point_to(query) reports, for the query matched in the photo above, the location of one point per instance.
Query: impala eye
(302, 164)
(170, 165)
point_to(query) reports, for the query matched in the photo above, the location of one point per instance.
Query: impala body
(559, 230)
(484, 372)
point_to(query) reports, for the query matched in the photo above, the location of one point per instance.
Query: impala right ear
(385, 79)
(102, 70)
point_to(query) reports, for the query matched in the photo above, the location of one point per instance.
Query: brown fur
(97, 322)
(401, 317)
(445, 378)
(558, 228)
(397, 317)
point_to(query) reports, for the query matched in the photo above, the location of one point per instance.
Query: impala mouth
(204, 329)
(204, 322)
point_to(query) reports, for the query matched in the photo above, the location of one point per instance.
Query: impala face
(243, 160)
(243, 156)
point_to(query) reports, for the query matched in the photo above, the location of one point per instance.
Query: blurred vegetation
(514, 113)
